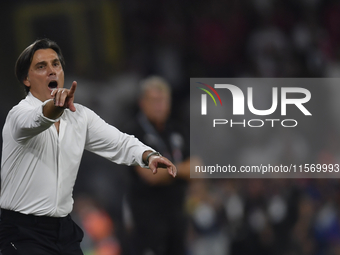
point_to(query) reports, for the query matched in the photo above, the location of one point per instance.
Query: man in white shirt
(43, 140)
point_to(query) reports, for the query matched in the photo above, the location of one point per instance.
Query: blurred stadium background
(110, 45)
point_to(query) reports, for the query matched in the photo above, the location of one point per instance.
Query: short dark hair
(24, 61)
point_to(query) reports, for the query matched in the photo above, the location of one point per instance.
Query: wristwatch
(154, 153)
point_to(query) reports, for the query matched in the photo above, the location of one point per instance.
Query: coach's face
(45, 74)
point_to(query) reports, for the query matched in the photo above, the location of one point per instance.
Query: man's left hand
(162, 162)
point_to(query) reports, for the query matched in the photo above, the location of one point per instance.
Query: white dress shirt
(39, 166)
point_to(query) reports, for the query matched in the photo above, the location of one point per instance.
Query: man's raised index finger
(73, 88)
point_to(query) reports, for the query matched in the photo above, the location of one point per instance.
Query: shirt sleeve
(27, 121)
(112, 144)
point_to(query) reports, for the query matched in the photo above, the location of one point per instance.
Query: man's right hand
(64, 98)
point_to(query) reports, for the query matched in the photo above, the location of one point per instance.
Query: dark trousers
(22, 234)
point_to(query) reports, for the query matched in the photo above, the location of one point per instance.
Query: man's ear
(27, 82)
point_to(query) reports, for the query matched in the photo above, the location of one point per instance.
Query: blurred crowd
(239, 38)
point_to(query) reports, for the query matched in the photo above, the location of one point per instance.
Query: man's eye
(40, 67)
(56, 64)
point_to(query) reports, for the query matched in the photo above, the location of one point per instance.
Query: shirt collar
(33, 100)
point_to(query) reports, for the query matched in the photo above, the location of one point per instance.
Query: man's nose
(51, 70)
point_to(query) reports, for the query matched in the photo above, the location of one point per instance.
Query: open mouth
(53, 85)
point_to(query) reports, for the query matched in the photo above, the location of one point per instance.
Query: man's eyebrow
(45, 62)
(41, 63)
